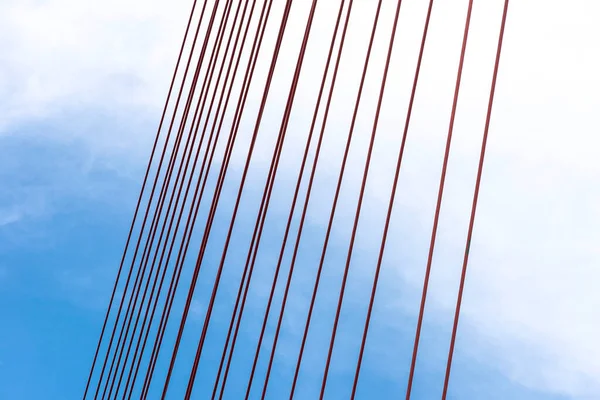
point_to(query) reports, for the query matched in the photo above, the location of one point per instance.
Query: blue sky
(80, 104)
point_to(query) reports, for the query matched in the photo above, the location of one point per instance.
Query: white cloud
(535, 261)
(66, 53)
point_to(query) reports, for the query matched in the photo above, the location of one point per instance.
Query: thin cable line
(149, 244)
(205, 238)
(245, 87)
(305, 208)
(439, 204)
(185, 158)
(199, 112)
(303, 216)
(391, 201)
(233, 133)
(475, 198)
(231, 141)
(176, 107)
(267, 191)
(361, 196)
(139, 201)
(265, 199)
(255, 248)
(350, 134)
(193, 206)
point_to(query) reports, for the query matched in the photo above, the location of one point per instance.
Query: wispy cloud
(8, 217)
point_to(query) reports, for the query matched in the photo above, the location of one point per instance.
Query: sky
(82, 85)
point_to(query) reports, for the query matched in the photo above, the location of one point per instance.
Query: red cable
(226, 157)
(391, 202)
(186, 230)
(137, 207)
(361, 195)
(151, 232)
(206, 235)
(349, 140)
(149, 243)
(182, 255)
(199, 112)
(186, 157)
(475, 198)
(303, 217)
(254, 249)
(439, 204)
(244, 85)
(147, 210)
(266, 197)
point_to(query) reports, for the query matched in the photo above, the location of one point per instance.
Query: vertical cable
(361, 195)
(185, 158)
(210, 140)
(183, 251)
(391, 201)
(265, 199)
(438, 205)
(149, 244)
(253, 57)
(304, 210)
(244, 174)
(199, 112)
(334, 205)
(176, 107)
(475, 198)
(288, 225)
(139, 201)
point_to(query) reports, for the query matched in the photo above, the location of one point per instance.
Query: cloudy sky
(82, 85)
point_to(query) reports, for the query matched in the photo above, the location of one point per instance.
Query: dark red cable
(137, 207)
(151, 196)
(176, 194)
(391, 201)
(175, 282)
(183, 249)
(151, 233)
(220, 180)
(273, 172)
(185, 234)
(198, 113)
(439, 204)
(254, 248)
(350, 134)
(475, 198)
(148, 246)
(208, 79)
(305, 207)
(266, 194)
(361, 195)
(184, 163)
(302, 219)
(205, 238)
(231, 141)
